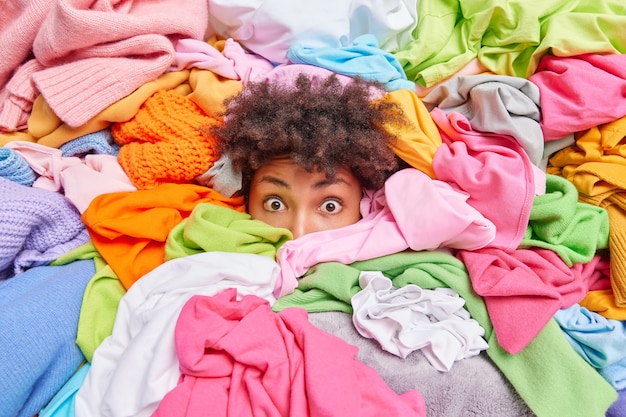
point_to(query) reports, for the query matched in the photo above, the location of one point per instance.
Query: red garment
(238, 358)
(523, 289)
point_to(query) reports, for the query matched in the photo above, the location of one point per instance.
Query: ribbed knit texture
(617, 246)
(166, 141)
(15, 168)
(39, 312)
(17, 97)
(615, 204)
(93, 54)
(108, 79)
(98, 143)
(19, 24)
(36, 227)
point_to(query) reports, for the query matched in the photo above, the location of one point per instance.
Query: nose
(300, 225)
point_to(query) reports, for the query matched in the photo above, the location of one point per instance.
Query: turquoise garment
(363, 58)
(508, 37)
(62, 405)
(548, 374)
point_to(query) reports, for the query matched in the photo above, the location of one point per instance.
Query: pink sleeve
(416, 212)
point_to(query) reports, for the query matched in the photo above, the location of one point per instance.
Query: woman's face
(283, 194)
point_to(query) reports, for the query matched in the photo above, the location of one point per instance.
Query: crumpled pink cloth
(412, 211)
(591, 85)
(239, 358)
(523, 289)
(493, 169)
(81, 180)
(233, 62)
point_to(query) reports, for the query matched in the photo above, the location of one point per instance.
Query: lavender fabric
(618, 408)
(36, 227)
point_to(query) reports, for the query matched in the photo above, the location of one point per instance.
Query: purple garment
(36, 227)
(618, 408)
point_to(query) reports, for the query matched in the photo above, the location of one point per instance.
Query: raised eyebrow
(274, 180)
(320, 184)
(327, 182)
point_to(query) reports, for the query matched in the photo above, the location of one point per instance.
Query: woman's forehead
(285, 165)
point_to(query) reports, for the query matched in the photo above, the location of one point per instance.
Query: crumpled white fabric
(410, 318)
(137, 365)
(269, 27)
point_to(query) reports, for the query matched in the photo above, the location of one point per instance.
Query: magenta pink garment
(580, 92)
(523, 289)
(412, 211)
(493, 169)
(239, 359)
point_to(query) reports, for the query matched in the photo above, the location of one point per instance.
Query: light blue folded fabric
(363, 58)
(15, 168)
(600, 341)
(615, 374)
(98, 143)
(39, 311)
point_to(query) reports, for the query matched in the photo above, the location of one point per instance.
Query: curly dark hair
(321, 124)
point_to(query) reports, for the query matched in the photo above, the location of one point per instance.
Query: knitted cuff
(15, 168)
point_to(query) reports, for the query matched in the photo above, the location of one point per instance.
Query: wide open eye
(273, 204)
(331, 206)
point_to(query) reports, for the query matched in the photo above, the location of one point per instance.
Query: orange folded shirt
(603, 303)
(129, 229)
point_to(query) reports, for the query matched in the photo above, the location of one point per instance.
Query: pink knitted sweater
(89, 54)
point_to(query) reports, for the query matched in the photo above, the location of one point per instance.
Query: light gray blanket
(474, 387)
